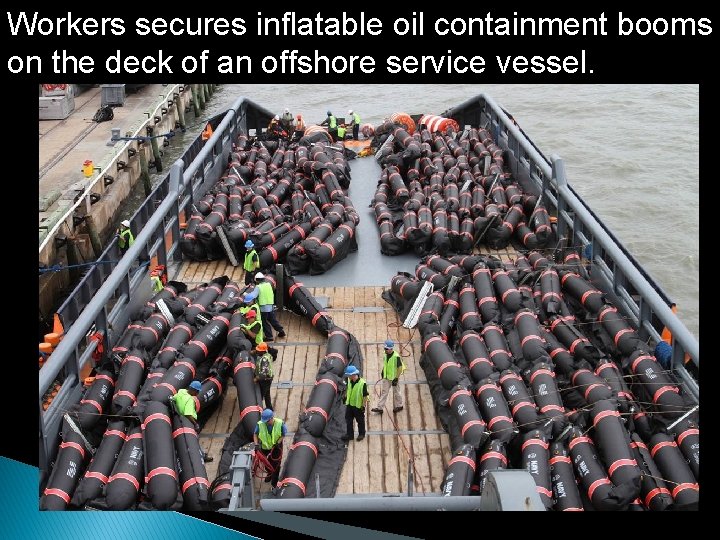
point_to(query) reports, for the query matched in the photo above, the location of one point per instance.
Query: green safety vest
(255, 306)
(126, 239)
(157, 284)
(390, 367)
(259, 337)
(185, 403)
(268, 439)
(249, 264)
(266, 295)
(354, 396)
(332, 122)
(341, 132)
(356, 118)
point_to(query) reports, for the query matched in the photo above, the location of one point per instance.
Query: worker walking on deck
(354, 124)
(356, 396)
(332, 125)
(264, 372)
(268, 440)
(392, 367)
(125, 236)
(251, 264)
(266, 299)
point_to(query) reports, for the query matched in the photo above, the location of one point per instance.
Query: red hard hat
(251, 314)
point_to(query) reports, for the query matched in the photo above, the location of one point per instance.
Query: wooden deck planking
(378, 464)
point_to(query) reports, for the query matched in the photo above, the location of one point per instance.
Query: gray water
(631, 151)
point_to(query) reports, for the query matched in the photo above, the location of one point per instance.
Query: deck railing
(103, 303)
(614, 270)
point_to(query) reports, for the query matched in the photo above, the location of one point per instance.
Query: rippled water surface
(631, 151)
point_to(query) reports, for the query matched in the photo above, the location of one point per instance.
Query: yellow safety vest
(126, 239)
(249, 264)
(390, 367)
(354, 396)
(269, 439)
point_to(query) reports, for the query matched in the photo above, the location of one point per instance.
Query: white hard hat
(125, 223)
(259, 275)
(350, 111)
(277, 117)
(287, 110)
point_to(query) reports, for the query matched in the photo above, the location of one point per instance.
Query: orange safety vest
(207, 133)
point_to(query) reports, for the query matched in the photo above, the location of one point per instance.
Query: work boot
(360, 438)
(397, 409)
(281, 333)
(376, 410)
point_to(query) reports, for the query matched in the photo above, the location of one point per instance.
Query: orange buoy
(46, 348)
(311, 130)
(666, 335)
(405, 120)
(57, 325)
(435, 123)
(53, 339)
(207, 132)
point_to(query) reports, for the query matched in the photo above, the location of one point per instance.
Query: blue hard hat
(251, 295)
(249, 244)
(266, 415)
(351, 370)
(196, 385)
(389, 343)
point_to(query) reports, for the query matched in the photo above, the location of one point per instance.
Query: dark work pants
(357, 414)
(270, 319)
(265, 391)
(356, 132)
(250, 277)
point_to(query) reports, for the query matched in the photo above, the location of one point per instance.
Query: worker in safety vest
(354, 124)
(275, 129)
(156, 282)
(287, 121)
(341, 132)
(299, 126)
(185, 402)
(125, 236)
(331, 123)
(251, 264)
(252, 328)
(392, 367)
(268, 440)
(266, 299)
(356, 396)
(264, 372)
(249, 301)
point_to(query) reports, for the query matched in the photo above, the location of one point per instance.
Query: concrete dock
(65, 144)
(73, 207)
